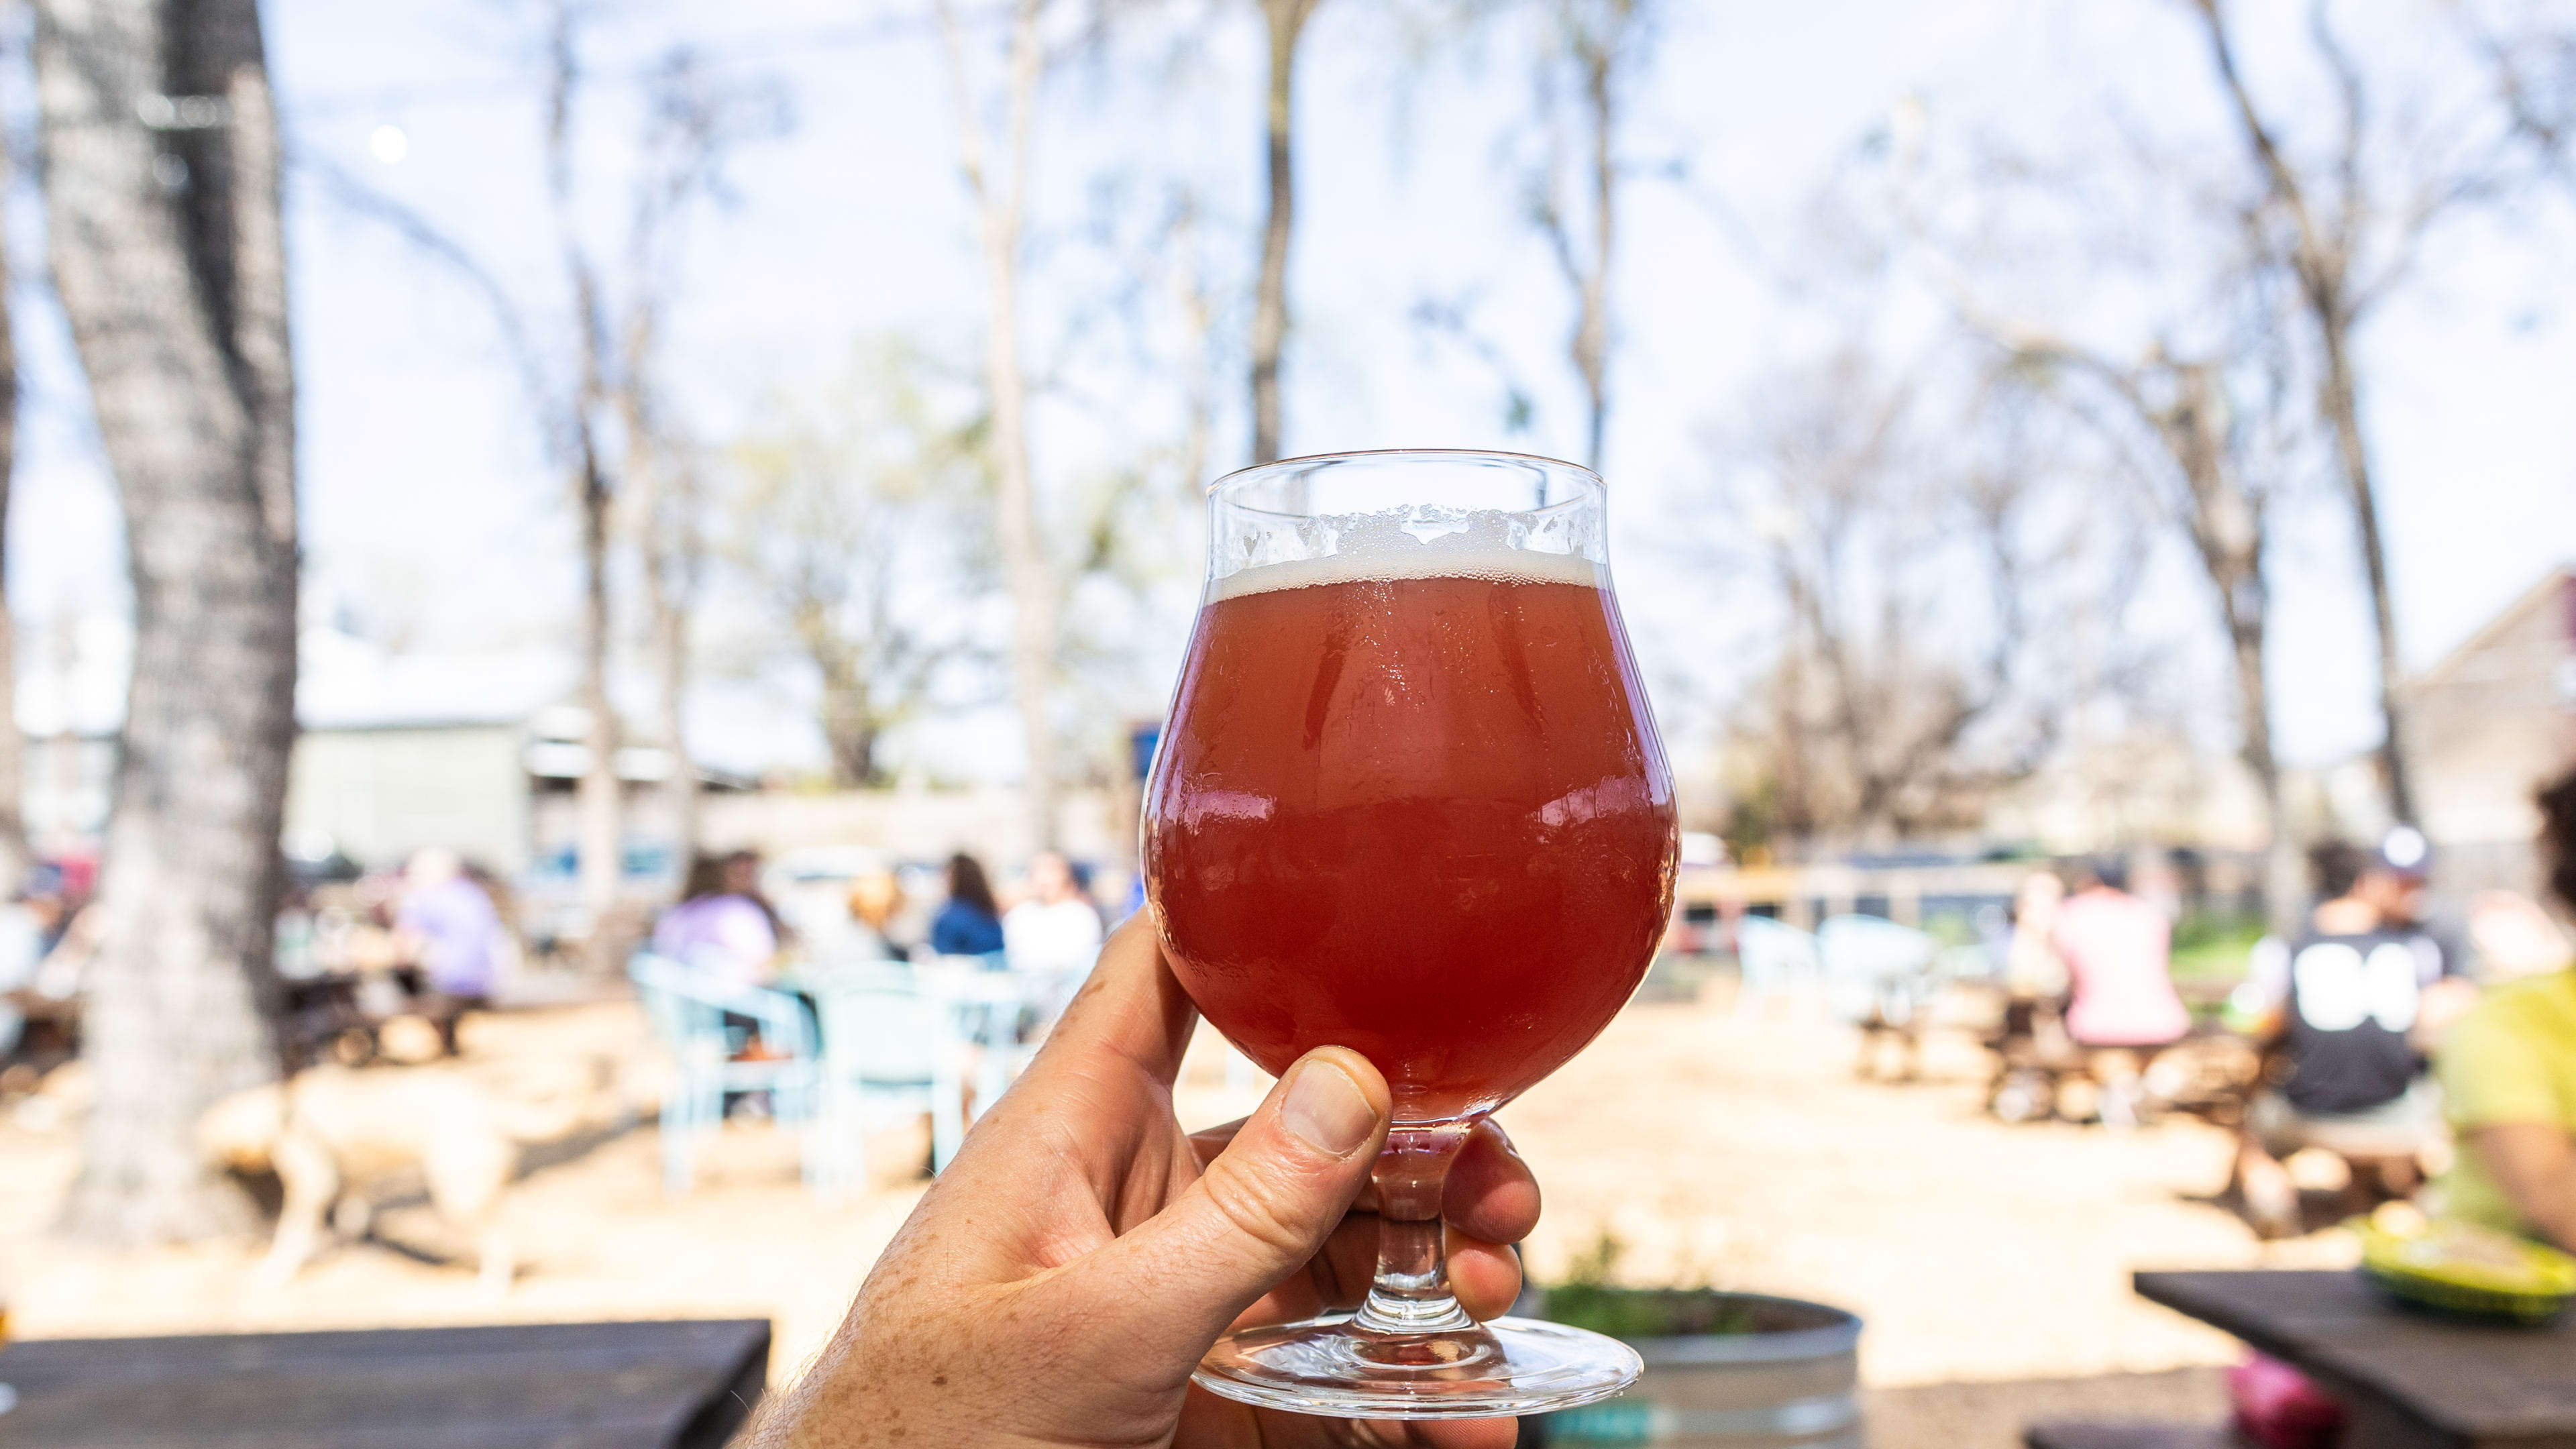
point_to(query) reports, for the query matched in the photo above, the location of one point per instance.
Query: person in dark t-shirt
(2352, 1001)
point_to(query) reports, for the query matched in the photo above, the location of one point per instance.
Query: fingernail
(1327, 1110)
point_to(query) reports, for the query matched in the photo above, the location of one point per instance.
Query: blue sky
(428, 505)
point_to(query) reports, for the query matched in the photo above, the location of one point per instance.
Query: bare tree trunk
(161, 182)
(671, 641)
(1287, 24)
(2321, 256)
(1198, 436)
(998, 209)
(2342, 408)
(671, 570)
(2284, 873)
(2225, 521)
(685, 141)
(14, 854)
(853, 739)
(1596, 39)
(598, 799)
(665, 534)
(1592, 316)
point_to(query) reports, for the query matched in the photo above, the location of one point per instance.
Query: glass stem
(1411, 1296)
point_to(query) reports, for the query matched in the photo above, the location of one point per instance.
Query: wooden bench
(672, 1385)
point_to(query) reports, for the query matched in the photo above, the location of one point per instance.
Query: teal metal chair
(1010, 1034)
(889, 1051)
(1876, 971)
(705, 1020)
(1772, 958)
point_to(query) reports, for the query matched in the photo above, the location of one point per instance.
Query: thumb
(1257, 1214)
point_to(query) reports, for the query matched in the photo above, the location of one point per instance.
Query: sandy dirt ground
(1713, 1149)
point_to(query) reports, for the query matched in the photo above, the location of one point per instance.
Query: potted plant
(1722, 1368)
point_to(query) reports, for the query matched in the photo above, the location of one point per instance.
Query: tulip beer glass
(1410, 801)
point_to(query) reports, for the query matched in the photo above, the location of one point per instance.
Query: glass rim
(1498, 455)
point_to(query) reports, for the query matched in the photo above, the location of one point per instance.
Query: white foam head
(1405, 544)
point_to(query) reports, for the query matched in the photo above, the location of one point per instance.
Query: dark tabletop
(683, 1385)
(2409, 1377)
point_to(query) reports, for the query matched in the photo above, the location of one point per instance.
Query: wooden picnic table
(2409, 1379)
(675, 1385)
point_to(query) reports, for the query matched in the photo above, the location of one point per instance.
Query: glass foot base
(1506, 1367)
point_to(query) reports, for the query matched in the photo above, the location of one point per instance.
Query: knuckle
(1257, 1208)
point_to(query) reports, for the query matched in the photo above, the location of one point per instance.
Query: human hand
(1062, 1278)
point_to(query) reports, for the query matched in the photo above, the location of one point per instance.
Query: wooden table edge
(738, 1365)
(2337, 1382)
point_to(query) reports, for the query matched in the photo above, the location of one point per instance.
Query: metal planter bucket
(1786, 1375)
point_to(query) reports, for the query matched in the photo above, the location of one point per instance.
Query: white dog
(331, 1126)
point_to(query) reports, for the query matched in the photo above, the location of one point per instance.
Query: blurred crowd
(2428, 1045)
(726, 922)
(385, 965)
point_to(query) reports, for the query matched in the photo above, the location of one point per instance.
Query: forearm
(2534, 1165)
(2552, 1209)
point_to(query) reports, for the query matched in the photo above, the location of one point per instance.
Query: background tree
(2198, 315)
(160, 166)
(858, 528)
(14, 853)
(2209, 439)
(599, 804)
(998, 190)
(2534, 67)
(598, 401)
(2350, 224)
(2202, 409)
(1593, 51)
(1285, 21)
(692, 124)
(1908, 544)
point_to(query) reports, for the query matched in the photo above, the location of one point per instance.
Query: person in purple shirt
(452, 932)
(722, 924)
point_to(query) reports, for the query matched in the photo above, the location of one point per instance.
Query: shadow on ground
(1993, 1415)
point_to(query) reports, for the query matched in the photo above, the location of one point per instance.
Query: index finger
(1131, 1007)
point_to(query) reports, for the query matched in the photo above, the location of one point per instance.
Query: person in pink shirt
(2119, 956)
(2119, 952)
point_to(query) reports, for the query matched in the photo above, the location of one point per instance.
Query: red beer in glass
(1417, 817)
(1410, 801)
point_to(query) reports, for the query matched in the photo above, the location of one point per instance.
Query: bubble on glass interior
(1426, 524)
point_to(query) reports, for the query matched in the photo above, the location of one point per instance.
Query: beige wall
(383, 793)
(918, 825)
(2493, 722)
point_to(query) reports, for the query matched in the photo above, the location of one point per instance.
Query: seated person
(2508, 1072)
(2118, 952)
(2035, 976)
(875, 900)
(2033, 971)
(1055, 929)
(27, 929)
(969, 923)
(2119, 959)
(448, 928)
(2351, 1004)
(722, 924)
(1053, 934)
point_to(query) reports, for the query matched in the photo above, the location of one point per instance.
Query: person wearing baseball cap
(2352, 1006)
